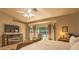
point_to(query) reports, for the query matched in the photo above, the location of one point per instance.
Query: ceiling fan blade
(20, 12)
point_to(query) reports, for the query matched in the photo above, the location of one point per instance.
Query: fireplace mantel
(12, 33)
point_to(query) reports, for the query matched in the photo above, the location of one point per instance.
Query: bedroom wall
(78, 22)
(67, 20)
(6, 19)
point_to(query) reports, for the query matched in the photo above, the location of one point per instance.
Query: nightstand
(63, 39)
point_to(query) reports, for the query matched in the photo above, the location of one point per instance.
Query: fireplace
(11, 35)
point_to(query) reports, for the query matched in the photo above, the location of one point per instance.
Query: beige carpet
(47, 45)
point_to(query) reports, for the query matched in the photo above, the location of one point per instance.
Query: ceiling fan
(28, 12)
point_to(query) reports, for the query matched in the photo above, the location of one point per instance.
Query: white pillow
(73, 40)
(75, 46)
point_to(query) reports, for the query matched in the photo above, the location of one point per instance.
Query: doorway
(43, 30)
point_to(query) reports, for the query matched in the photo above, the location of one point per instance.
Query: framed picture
(64, 28)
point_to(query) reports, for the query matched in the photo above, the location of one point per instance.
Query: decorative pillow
(73, 40)
(75, 46)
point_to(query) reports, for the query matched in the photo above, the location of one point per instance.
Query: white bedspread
(47, 45)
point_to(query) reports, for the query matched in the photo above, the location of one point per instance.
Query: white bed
(47, 45)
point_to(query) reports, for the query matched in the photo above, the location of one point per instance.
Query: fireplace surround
(11, 35)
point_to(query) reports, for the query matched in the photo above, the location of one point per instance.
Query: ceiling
(42, 13)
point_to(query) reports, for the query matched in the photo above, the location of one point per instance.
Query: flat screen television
(11, 28)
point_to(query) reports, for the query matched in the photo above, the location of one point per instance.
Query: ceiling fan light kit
(28, 12)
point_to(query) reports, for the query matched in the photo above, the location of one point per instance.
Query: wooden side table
(64, 39)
